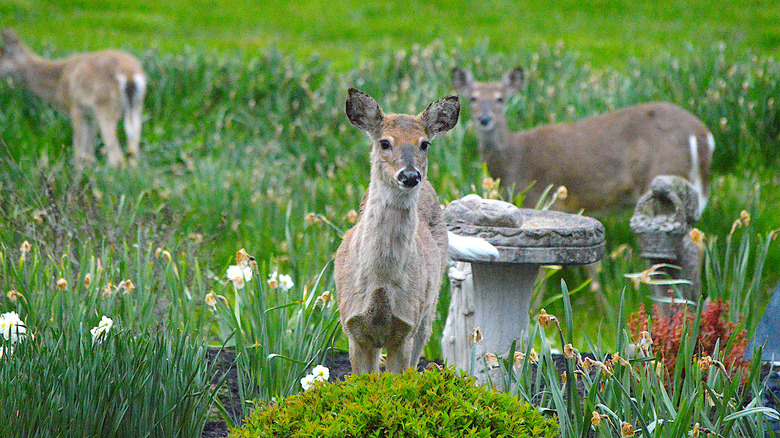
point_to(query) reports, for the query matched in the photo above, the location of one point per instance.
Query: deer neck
(43, 77)
(493, 142)
(390, 227)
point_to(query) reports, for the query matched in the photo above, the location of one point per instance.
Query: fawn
(606, 162)
(389, 267)
(90, 87)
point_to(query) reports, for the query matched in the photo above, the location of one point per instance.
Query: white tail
(606, 162)
(94, 89)
(389, 267)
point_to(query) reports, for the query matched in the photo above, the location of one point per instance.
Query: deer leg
(84, 132)
(420, 339)
(399, 356)
(133, 132)
(364, 357)
(107, 121)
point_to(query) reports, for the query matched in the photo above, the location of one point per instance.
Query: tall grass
(238, 152)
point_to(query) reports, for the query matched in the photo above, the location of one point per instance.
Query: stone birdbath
(495, 295)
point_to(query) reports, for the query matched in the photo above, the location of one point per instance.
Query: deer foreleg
(107, 121)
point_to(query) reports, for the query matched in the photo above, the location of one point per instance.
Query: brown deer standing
(606, 162)
(90, 87)
(389, 267)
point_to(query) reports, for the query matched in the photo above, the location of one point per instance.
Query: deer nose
(409, 177)
(485, 119)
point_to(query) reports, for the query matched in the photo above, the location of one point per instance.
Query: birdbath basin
(495, 295)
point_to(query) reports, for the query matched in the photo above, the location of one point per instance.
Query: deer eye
(424, 145)
(500, 99)
(385, 144)
(473, 99)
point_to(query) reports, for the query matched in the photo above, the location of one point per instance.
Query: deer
(93, 89)
(606, 162)
(388, 268)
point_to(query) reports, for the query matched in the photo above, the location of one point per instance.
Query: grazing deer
(607, 162)
(90, 87)
(389, 267)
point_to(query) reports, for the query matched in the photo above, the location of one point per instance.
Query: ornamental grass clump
(435, 403)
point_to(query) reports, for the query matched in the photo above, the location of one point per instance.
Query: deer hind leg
(364, 357)
(133, 132)
(107, 120)
(84, 133)
(419, 340)
(399, 356)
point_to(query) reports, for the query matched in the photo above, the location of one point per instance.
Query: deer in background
(606, 162)
(90, 87)
(389, 267)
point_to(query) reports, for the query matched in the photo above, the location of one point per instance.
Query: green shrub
(433, 403)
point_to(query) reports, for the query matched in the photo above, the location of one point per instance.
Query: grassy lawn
(604, 33)
(245, 145)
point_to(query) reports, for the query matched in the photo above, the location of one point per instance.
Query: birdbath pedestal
(495, 295)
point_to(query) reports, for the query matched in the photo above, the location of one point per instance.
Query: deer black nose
(485, 119)
(409, 177)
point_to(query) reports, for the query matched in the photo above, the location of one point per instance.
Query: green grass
(245, 135)
(605, 33)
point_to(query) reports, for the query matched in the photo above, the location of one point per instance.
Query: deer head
(487, 99)
(399, 157)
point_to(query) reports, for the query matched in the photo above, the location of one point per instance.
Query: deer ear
(462, 80)
(440, 116)
(9, 37)
(513, 81)
(363, 111)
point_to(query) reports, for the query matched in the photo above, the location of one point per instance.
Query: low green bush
(412, 404)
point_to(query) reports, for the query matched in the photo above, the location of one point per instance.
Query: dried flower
(311, 218)
(533, 357)
(13, 295)
(491, 360)
(626, 429)
(705, 363)
(24, 249)
(696, 430)
(62, 284)
(476, 336)
(159, 252)
(127, 286)
(323, 299)
(616, 359)
(697, 236)
(570, 352)
(211, 301)
(744, 217)
(488, 183)
(545, 319)
(563, 377)
(196, 237)
(242, 258)
(645, 342)
(101, 331)
(352, 216)
(595, 420)
(562, 193)
(87, 280)
(517, 360)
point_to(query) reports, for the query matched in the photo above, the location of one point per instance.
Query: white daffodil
(12, 327)
(307, 382)
(100, 332)
(239, 275)
(321, 373)
(285, 282)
